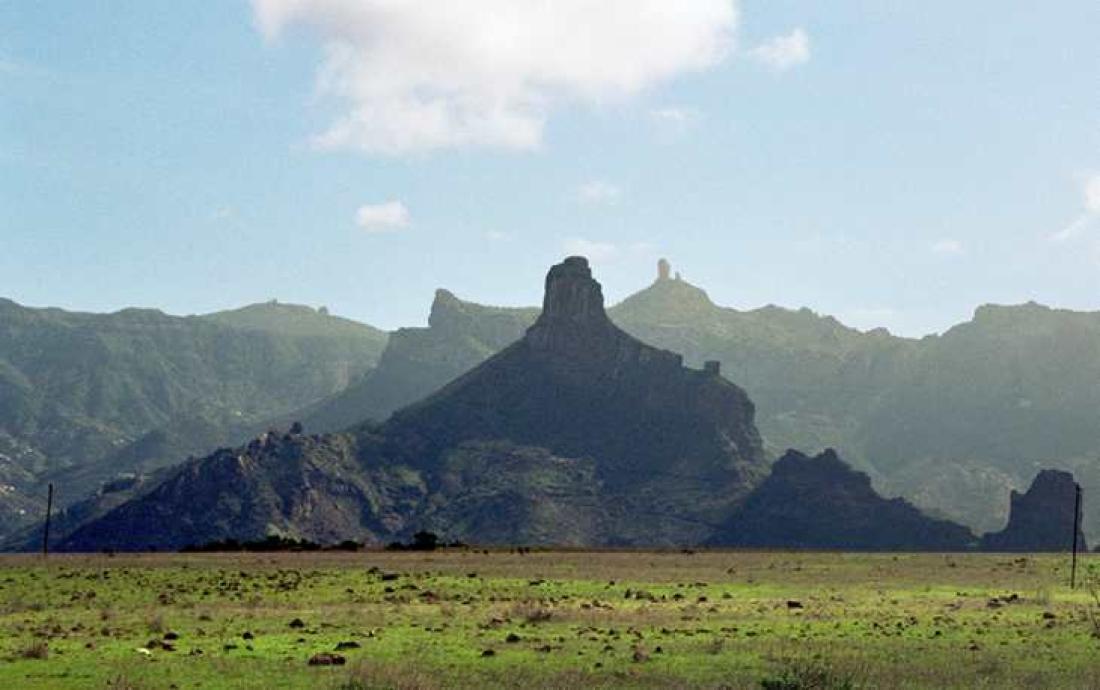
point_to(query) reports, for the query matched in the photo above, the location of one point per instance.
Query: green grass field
(548, 620)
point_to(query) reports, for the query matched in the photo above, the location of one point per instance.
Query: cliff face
(822, 503)
(1041, 519)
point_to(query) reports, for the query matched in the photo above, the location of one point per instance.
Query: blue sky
(891, 163)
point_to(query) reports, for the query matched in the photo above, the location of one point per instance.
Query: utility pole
(1076, 530)
(46, 532)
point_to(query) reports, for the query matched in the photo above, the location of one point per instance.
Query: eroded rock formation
(1041, 519)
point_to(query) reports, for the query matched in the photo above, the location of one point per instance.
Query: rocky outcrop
(1041, 519)
(664, 269)
(821, 503)
(294, 486)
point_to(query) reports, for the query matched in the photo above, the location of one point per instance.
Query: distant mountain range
(86, 396)
(951, 422)
(576, 433)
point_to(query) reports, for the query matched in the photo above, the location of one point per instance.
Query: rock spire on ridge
(664, 269)
(572, 294)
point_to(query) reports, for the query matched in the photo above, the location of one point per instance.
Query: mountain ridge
(816, 384)
(77, 388)
(575, 403)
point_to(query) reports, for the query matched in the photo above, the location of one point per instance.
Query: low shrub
(36, 650)
(806, 675)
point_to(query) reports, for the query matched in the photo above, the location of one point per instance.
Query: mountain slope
(811, 377)
(577, 431)
(299, 486)
(953, 421)
(580, 387)
(417, 361)
(821, 503)
(76, 389)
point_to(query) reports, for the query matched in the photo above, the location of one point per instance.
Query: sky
(891, 163)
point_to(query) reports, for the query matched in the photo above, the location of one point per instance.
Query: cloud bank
(414, 77)
(1092, 194)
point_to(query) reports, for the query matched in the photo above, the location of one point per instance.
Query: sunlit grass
(562, 619)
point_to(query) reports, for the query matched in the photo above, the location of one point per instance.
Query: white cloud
(594, 251)
(384, 217)
(1090, 191)
(12, 67)
(948, 247)
(497, 236)
(783, 52)
(670, 123)
(223, 213)
(1075, 228)
(1092, 194)
(676, 117)
(422, 76)
(608, 252)
(598, 192)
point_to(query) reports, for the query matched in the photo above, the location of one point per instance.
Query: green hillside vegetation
(295, 320)
(950, 421)
(77, 390)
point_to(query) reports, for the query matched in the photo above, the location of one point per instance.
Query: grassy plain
(547, 620)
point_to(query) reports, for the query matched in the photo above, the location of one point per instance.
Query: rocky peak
(446, 308)
(666, 301)
(825, 468)
(572, 307)
(572, 294)
(664, 269)
(1040, 519)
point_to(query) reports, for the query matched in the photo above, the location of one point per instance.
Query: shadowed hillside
(822, 503)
